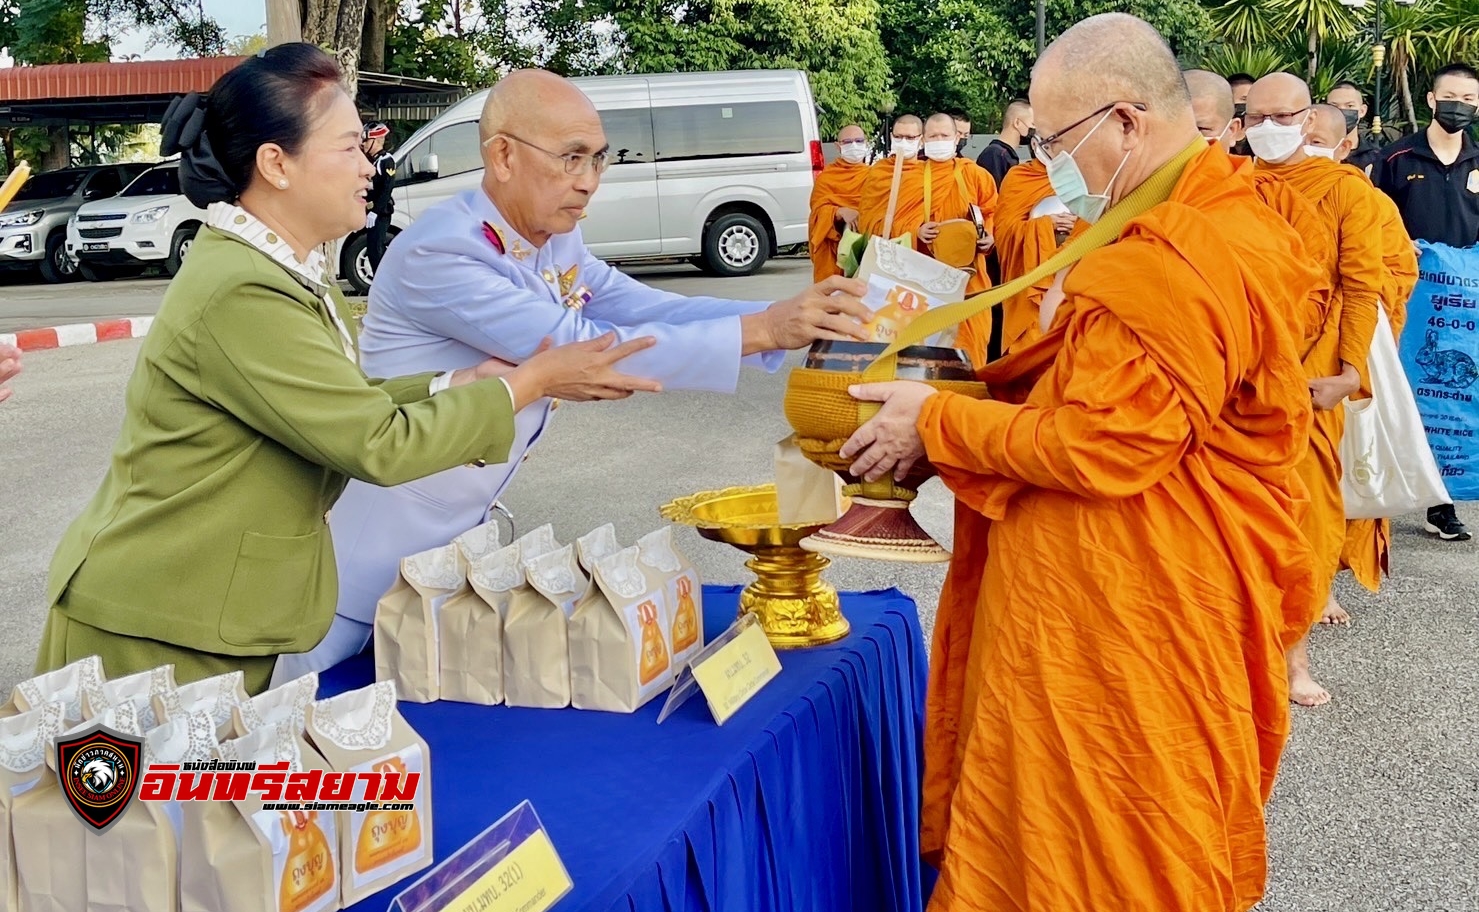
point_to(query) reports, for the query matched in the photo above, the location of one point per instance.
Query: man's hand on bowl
(889, 441)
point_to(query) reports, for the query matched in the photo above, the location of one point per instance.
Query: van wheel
(736, 244)
(178, 247)
(58, 267)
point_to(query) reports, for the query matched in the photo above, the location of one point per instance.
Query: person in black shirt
(1433, 176)
(1241, 84)
(1016, 129)
(1348, 98)
(380, 202)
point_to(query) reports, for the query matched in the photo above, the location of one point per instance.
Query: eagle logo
(99, 771)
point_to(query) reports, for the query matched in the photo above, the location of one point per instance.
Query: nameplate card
(512, 866)
(737, 671)
(742, 650)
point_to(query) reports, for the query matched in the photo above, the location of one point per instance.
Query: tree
(338, 26)
(246, 45)
(181, 24)
(835, 41)
(40, 32)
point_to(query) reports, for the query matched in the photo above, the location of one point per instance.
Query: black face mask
(1239, 110)
(1454, 116)
(1351, 119)
(1031, 135)
(960, 145)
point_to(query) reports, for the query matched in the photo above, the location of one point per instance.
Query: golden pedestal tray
(796, 608)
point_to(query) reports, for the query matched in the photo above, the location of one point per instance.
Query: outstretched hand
(580, 371)
(830, 309)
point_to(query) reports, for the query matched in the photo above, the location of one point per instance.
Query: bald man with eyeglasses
(495, 271)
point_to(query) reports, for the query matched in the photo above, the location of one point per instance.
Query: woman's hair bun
(203, 180)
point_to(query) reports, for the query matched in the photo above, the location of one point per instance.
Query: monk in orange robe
(1367, 550)
(1024, 243)
(835, 199)
(944, 175)
(1108, 698)
(1279, 122)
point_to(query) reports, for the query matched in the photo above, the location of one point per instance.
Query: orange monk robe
(1368, 542)
(839, 186)
(1108, 698)
(1343, 199)
(945, 201)
(1022, 244)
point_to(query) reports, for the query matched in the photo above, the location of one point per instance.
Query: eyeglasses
(1283, 118)
(909, 138)
(576, 163)
(1041, 145)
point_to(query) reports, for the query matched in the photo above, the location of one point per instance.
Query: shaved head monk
(943, 201)
(835, 199)
(1107, 698)
(1367, 548)
(1280, 122)
(1212, 106)
(493, 272)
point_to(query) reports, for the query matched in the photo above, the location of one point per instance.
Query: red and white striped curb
(78, 334)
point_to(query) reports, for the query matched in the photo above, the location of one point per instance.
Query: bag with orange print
(240, 856)
(683, 592)
(362, 732)
(620, 656)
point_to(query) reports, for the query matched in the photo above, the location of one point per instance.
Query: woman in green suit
(246, 414)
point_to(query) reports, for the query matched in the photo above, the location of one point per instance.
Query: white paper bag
(1387, 467)
(904, 283)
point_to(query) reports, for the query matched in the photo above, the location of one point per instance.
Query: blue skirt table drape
(807, 800)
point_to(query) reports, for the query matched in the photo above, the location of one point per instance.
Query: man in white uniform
(492, 273)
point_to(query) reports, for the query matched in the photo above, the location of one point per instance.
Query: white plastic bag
(1387, 468)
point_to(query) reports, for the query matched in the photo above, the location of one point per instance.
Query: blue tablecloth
(807, 800)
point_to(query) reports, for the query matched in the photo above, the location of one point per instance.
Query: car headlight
(22, 219)
(150, 216)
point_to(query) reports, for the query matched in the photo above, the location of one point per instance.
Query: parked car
(150, 222)
(33, 228)
(712, 167)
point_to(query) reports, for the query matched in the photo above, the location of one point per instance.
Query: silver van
(712, 167)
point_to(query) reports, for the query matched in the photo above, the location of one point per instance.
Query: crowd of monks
(1149, 517)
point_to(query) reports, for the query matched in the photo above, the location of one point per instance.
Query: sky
(237, 17)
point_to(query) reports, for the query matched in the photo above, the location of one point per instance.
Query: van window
(629, 133)
(728, 130)
(456, 149)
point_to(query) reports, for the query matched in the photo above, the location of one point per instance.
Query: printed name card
(512, 866)
(729, 671)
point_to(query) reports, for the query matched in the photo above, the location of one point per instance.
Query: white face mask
(1068, 181)
(905, 148)
(854, 151)
(1320, 152)
(939, 150)
(1274, 142)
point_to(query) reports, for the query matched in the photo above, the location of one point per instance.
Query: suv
(150, 222)
(33, 228)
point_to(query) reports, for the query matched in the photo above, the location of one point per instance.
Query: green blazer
(244, 420)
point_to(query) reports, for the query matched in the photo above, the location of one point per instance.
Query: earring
(283, 184)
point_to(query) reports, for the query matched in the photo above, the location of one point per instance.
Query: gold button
(554, 405)
(478, 464)
(271, 238)
(241, 220)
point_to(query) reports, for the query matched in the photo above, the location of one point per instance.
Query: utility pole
(284, 22)
(1042, 27)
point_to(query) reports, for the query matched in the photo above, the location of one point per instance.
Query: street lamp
(1378, 58)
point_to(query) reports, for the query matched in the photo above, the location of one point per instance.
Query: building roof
(140, 91)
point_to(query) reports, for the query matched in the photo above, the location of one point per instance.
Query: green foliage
(977, 55)
(245, 45)
(835, 41)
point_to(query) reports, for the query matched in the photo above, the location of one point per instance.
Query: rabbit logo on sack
(1445, 366)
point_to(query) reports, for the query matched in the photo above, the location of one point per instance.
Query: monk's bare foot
(1334, 614)
(1304, 691)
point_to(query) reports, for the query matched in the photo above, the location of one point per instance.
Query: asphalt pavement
(1377, 806)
